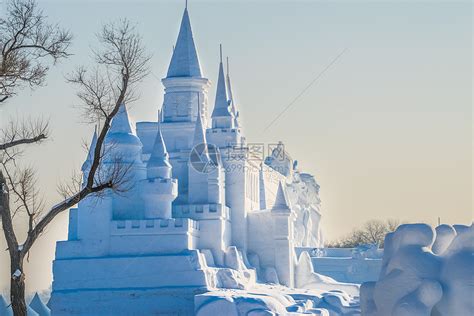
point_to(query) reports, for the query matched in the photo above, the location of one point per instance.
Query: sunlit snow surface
(424, 272)
(270, 299)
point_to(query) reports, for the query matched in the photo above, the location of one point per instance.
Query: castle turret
(122, 159)
(158, 165)
(120, 162)
(159, 190)
(185, 61)
(222, 116)
(121, 145)
(200, 164)
(281, 201)
(186, 91)
(283, 228)
(184, 78)
(224, 133)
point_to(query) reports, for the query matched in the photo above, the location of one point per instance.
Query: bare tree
(120, 64)
(26, 39)
(372, 232)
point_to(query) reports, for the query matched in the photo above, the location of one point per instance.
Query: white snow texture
(425, 272)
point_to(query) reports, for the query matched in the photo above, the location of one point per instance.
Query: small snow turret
(185, 61)
(158, 165)
(200, 164)
(121, 122)
(199, 139)
(222, 117)
(159, 190)
(121, 144)
(225, 131)
(281, 200)
(123, 155)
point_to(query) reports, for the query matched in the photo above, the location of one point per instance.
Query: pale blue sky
(387, 131)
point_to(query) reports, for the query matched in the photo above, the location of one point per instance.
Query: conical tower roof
(230, 95)
(120, 141)
(90, 154)
(39, 307)
(199, 131)
(158, 165)
(185, 61)
(221, 106)
(121, 122)
(281, 201)
(200, 150)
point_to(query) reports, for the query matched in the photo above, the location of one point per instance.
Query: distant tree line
(372, 232)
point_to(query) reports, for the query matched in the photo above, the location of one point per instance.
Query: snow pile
(265, 299)
(313, 294)
(424, 272)
(235, 275)
(306, 278)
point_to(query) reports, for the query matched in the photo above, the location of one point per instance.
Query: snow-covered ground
(271, 299)
(313, 294)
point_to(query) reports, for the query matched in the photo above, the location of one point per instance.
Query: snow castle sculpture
(205, 211)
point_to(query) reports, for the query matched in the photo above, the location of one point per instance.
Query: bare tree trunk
(17, 287)
(17, 278)
(102, 93)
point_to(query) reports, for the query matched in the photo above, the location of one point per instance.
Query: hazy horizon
(386, 130)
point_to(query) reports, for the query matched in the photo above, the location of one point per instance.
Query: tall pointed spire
(121, 122)
(233, 107)
(185, 61)
(229, 87)
(199, 132)
(158, 164)
(90, 154)
(221, 106)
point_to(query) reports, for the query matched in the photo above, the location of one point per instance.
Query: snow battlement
(154, 226)
(216, 130)
(163, 180)
(201, 211)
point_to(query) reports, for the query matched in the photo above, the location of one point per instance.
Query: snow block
(425, 272)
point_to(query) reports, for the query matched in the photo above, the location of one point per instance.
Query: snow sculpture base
(127, 285)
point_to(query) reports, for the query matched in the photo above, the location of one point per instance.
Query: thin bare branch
(25, 40)
(121, 64)
(26, 131)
